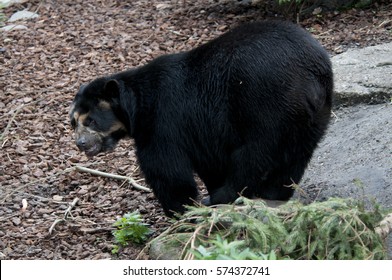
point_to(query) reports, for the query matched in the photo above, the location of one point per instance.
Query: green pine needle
(333, 229)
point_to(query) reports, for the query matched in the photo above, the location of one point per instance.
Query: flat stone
(363, 75)
(13, 27)
(354, 160)
(7, 3)
(21, 15)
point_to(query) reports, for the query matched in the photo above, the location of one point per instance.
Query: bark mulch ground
(69, 44)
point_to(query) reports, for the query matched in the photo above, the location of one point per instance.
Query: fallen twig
(70, 169)
(384, 23)
(72, 205)
(54, 224)
(96, 230)
(66, 213)
(179, 34)
(113, 176)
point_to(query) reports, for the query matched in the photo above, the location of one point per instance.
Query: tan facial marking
(81, 118)
(104, 105)
(83, 130)
(76, 116)
(117, 126)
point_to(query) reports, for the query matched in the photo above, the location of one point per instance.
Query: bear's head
(95, 116)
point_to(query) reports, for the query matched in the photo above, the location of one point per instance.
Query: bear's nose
(81, 143)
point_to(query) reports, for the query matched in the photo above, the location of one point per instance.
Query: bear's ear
(111, 89)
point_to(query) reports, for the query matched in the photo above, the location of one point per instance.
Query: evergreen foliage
(334, 229)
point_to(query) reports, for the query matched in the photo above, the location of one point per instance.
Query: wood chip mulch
(69, 44)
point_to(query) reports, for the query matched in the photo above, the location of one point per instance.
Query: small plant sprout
(130, 229)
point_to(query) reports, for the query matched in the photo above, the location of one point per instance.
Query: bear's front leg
(170, 175)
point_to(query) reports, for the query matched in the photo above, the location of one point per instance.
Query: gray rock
(363, 75)
(160, 249)
(357, 149)
(355, 158)
(22, 15)
(13, 27)
(7, 3)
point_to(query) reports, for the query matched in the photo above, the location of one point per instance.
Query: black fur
(244, 111)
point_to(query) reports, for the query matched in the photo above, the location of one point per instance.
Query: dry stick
(18, 189)
(79, 168)
(385, 22)
(113, 176)
(96, 230)
(67, 212)
(54, 224)
(193, 246)
(179, 34)
(72, 205)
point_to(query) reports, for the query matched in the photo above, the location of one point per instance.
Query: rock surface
(13, 27)
(355, 157)
(22, 15)
(7, 3)
(364, 75)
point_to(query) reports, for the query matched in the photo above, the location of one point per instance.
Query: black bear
(244, 111)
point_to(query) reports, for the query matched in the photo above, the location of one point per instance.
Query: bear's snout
(90, 144)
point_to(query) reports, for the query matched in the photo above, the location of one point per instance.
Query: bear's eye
(89, 122)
